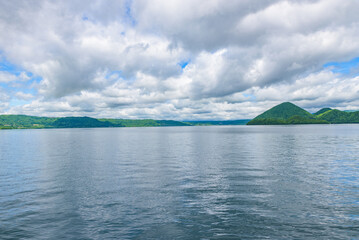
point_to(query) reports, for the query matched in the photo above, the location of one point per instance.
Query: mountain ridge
(34, 122)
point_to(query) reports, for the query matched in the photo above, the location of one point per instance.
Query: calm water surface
(235, 182)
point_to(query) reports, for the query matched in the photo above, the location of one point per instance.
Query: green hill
(286, 113)
(23, 121)
(337, 116)
(303, 120)
(323, 110)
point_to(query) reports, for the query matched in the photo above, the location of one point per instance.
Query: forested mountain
(285, 113)
(337, 116)
(288, 113)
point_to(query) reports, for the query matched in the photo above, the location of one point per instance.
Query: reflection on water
(180, 183)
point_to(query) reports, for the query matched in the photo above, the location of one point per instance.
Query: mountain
(286, 113)
(337, 116)
(323, 110)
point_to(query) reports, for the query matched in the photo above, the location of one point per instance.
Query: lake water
(231, 182)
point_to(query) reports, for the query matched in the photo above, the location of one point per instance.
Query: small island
(289, 113)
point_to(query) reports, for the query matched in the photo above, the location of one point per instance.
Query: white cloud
(121, 58)
(6, 77)
(23, 96)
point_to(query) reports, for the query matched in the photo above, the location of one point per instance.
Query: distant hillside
(211, 123)
(81, 122)
(163, 123)
(288, 113)
(26, 122)
(23, 121)
(144, 122)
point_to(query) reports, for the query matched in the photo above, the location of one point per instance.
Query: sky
(178, 59)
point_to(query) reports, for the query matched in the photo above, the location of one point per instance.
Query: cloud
(196, 25)
(9, 77)
(125, 58)
(23, 96)
(6, 77)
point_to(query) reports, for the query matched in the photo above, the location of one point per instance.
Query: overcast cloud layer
(178, 59)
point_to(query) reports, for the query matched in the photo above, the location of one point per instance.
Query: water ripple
(240, 182)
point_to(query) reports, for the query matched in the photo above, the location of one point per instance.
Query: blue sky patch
(344, 67)
(18, 85)
(129, 16)
(116, 72)
(183, 64)
(250, 96)
(18, 102)
(8, 67)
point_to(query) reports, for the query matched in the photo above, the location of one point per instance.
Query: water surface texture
(233, 182)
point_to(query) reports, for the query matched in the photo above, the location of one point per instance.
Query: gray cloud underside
(121, 58)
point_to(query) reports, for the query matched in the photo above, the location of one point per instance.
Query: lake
(212, 182)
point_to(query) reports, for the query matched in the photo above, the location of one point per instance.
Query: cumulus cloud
(123, 59)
